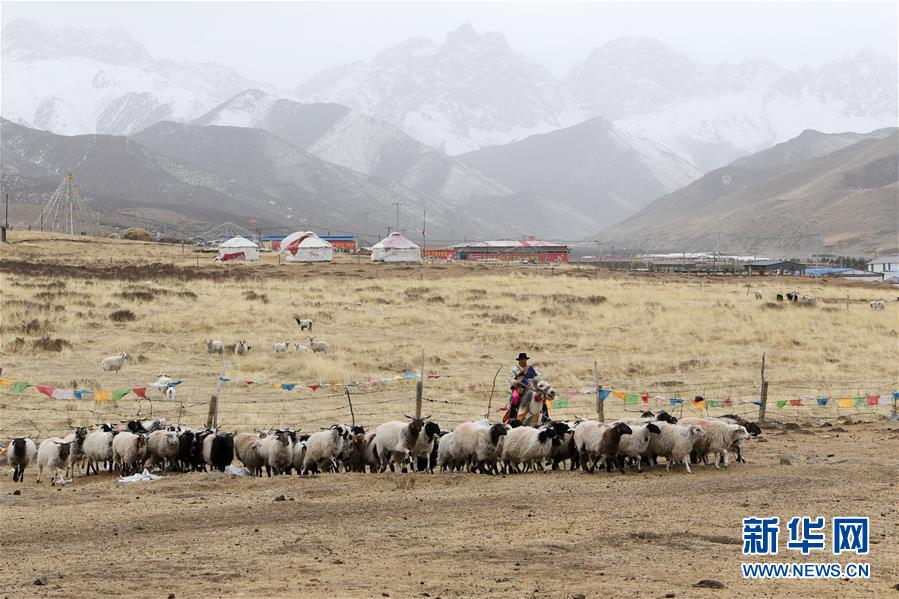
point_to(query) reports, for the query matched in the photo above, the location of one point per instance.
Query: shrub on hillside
(137, 234)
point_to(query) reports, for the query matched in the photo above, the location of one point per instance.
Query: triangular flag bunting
(119, 394)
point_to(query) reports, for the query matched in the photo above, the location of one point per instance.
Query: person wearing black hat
(520, 377)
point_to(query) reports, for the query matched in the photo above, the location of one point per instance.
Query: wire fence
(448, 400)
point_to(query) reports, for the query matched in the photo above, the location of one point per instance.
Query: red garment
(234, 256)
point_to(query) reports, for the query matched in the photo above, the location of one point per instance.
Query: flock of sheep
(418, 444)
(810, 300)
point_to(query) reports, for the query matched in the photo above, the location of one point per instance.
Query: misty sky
(285, 43)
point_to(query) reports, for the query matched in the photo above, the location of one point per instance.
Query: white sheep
(280, 348)
(807, 299)
(276, 451)
(163, 448)
(301, 348)
(478, 445)
(246, 448)
(758, 294)
(449, 456)
(318, 346)
(297, 455)
(324, 448)
(395, 441)
(241, 348)
(22, 452)
(598, 441)
(721, 436)
(129, 450)
(114, 363)
(98, 448)
(878, 305)
(53, 454)
(214, 346)
(675, 442)
(527, 446)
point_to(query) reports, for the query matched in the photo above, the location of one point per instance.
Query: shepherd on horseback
(529, 393)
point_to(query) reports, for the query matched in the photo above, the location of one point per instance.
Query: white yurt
(238, 248)
(395, 248)
(306, 246)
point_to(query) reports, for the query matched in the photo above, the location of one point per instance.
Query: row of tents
(306, 246)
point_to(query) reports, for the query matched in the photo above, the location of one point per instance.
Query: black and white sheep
(22, 451)
(675, 442)
(129, 450)
(395, 441)
(218, 450)
(479, 445)
(98, 448)
(53, 454)
(324, 448)
(527, 447)
(305, 323)
(214, 346)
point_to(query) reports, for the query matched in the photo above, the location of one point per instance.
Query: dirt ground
(559, 534)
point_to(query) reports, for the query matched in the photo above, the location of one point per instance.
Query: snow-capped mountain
(364, 144)
(73, 80)
(468, 92)
(473, 91)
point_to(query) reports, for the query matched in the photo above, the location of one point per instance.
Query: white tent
(238, 248)
(306, 246)
(395, 248)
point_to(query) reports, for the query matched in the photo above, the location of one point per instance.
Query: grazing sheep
(53, 454)
(808, 300)
(758, 294)
(98, 448)
(792, 296)
(878, 305)
(305, 323)
(478, 445)
(241, 348)
(318, 346)
(129, 450)
(424, 447)
(163, 448)
(527, 446)
(280, 348)
(218, 450)
(779, 297)
(301, 348)
(324, 448)
(22, 452)
(113, 363)
(276, 451)
(246, 448)
(675, 442)
(395, 441)
(214, 346)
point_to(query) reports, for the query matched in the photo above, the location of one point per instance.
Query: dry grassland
(447, 535)
(650, 333)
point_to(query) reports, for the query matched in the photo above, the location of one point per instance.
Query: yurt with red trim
(237, 248)
(306, 246)
(395, 248)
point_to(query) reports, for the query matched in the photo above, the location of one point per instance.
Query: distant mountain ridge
(815, 193)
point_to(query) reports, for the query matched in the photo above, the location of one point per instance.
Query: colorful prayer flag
(872, 400)
(675, 402)
(82, 394)
(796, 402)
(604, 394)
(119, 394)
(618, 394)
(102, 395)
(140, 392)
(631, 398)
(698, 403)
(560, 403)
(48, 391)
(845, 402)
(645, 398)
(287, 386)
(858, 402)
(781, 403)
(822, 401)
(714, 403)
(21, 387)
(885, 400)
(7, 382)
(63, 394)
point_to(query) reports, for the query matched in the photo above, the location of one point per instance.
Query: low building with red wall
(523, 250)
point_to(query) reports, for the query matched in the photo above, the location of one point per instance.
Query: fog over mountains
(466, 127)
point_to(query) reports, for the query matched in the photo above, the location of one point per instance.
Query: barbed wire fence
(447, 399)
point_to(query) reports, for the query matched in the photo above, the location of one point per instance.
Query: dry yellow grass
(649, 333)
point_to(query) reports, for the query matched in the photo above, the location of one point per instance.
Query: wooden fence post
(350, 401)
(600, 404)
(763, 393)
(212, 420)
(419, 387)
